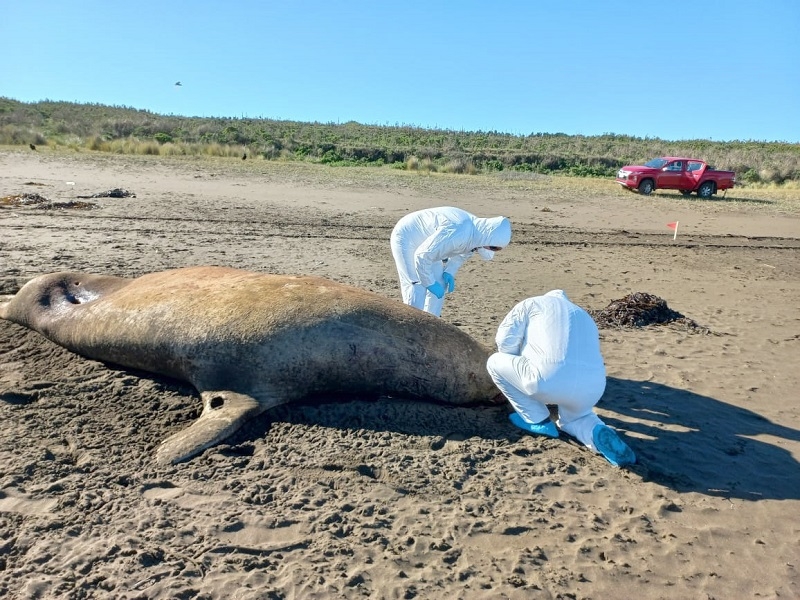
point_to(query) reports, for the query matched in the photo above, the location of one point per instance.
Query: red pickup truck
(675, 173)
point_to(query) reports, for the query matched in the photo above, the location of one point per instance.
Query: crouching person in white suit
(549, 353)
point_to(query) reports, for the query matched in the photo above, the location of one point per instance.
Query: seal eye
(216, 402)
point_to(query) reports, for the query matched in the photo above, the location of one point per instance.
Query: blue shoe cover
(611, 446)
(546, 427)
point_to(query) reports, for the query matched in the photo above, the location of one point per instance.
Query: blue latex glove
(436, 289)
(449, 282)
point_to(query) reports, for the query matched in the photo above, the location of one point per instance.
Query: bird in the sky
(178, 83)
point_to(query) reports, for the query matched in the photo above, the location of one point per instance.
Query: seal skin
(250, 341)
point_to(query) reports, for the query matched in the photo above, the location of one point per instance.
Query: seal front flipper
(223, 413)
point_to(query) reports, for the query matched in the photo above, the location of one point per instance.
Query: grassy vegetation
(130, 131)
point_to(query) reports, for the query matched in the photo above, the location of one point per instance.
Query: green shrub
(589, 171)
(749, 176)
(331, 156)
(493, 165)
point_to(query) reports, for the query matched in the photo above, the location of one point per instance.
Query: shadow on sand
(693, 443)
(683, 441)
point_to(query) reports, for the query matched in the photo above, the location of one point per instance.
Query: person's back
(550, 329)
(430, 219)
(561, 332)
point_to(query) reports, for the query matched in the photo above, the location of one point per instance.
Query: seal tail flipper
(223, 413)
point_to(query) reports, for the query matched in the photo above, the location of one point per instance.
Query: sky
(718, 70)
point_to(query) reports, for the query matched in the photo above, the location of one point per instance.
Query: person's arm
(438, 246)
(511, 332)
(454, 263)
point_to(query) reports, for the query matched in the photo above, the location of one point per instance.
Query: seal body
(250, 341)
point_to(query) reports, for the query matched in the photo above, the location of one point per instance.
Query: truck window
(694, 165)
(675, 166)
(656, 163)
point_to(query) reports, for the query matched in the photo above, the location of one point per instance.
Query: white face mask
(485, 253)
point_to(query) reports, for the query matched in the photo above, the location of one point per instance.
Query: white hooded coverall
(549, 353)
(428, 242)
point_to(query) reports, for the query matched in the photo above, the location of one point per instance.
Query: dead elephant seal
(251, 341)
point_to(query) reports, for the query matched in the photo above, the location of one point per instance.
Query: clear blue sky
(721, 70)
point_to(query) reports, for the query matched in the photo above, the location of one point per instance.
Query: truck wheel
(686, 192)
(646, 187)
(706, 190)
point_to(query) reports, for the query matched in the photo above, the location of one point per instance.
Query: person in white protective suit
(549, 353)
(430, 245)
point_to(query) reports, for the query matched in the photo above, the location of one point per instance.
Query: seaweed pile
(641, 309)
(39, 201)
(71, 204)
(23, 200)
(115, 193)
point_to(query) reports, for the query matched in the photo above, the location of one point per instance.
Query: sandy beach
(388, 498)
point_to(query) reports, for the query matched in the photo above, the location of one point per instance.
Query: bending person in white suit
(549, 353)
(430, 245)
